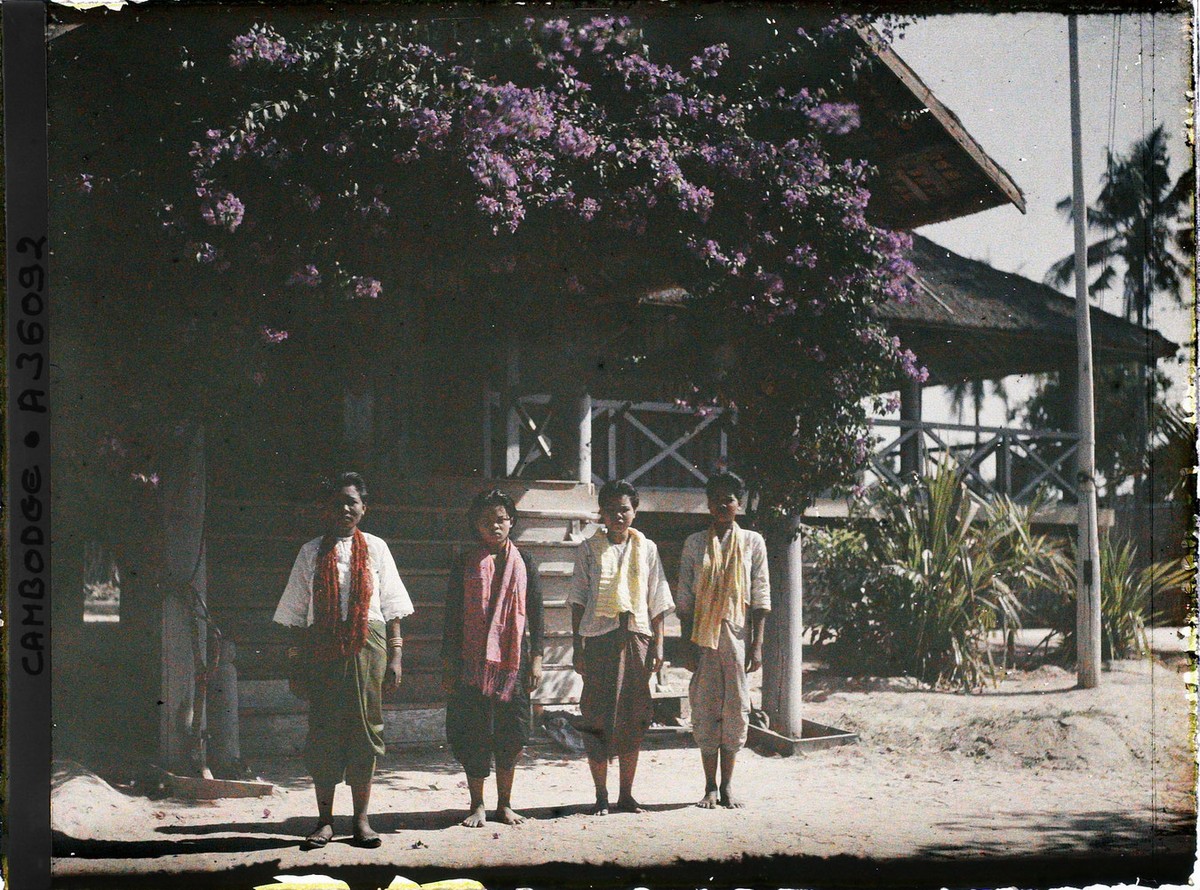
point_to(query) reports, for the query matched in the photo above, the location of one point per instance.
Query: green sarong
(345, 713)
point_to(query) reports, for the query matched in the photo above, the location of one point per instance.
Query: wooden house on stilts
(442, 416)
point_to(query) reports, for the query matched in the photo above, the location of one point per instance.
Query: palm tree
(1140, 215)
(976, 391)
(1137, 212)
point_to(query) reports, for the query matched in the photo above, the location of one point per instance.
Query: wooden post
(512, 380)
(583, 451)
(911, 451)
(1004, 465)
(1087, 573)
(486, 414)
(613, 418)
(222, 712)
(783, 653)
(184, 571)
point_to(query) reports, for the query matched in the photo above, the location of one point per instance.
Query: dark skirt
(345, 713)
(480, 728)
(616, 708)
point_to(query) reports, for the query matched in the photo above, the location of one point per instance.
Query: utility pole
(1087, 561)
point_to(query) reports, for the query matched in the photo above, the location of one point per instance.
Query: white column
(583, 416)
(184, 569)
(783, 646)
(512, 380)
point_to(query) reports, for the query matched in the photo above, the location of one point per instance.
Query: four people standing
(344, 603)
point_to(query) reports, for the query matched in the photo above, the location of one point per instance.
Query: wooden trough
(813, 737)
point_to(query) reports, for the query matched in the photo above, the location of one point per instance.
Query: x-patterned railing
(683, 444)
(653, 444)
(993, 460)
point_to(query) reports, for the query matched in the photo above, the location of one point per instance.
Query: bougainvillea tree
(366, 156)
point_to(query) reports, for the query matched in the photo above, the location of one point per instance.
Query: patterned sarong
(345, 713)
(616, 708)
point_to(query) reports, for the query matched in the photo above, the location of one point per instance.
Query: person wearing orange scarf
(492, 654)
(343, 596)
(723, 597)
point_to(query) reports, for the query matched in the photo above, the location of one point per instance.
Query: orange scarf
(334, 637)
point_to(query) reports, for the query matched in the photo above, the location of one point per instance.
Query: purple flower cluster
(708, 63)
(306, 276)
(431, 126)
(309, 197)
(221, 208)
(265, 45)
(148, 479)
(366, 288)
(375, 208)
(908, 363)
(273, 336)
(803, 256)
(773, 228)
(835, 118)
(85, 183)
(640, 73)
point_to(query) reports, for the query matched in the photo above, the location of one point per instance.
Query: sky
(1006, 77)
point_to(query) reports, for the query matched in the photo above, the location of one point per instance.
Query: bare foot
(709, 800)
(320, 836)
(728, 799)
(601, 806)
(509, 816)
(477, 818)
(628, 805)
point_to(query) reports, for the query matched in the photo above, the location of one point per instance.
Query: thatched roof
(968, 320)
(930, 169)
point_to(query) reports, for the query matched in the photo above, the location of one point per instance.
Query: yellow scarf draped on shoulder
(720, 589)
(620, 589)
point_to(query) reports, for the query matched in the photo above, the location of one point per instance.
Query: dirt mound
(1073, 741)
(81, 802)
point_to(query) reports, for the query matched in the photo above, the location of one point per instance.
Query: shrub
(922, 574)
(1126, 597)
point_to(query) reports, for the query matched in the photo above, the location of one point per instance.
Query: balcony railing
(663, 445)
(993, 460)
(652, 444)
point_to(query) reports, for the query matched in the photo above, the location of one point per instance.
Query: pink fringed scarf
(493, 621)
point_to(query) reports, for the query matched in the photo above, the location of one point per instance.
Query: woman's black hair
(335, 483)
(493, 498)
(614, 490)
(724, 483)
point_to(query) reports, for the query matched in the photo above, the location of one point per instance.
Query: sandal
(316, 840)
(367, 841)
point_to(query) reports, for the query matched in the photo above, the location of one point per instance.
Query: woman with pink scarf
(492, 654)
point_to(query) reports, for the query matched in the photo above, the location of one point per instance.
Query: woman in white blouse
(345, 602)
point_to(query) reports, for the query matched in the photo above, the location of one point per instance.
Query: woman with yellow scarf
(619, 598)
(723, 597)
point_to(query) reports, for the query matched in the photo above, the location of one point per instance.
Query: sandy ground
(1034, 770)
